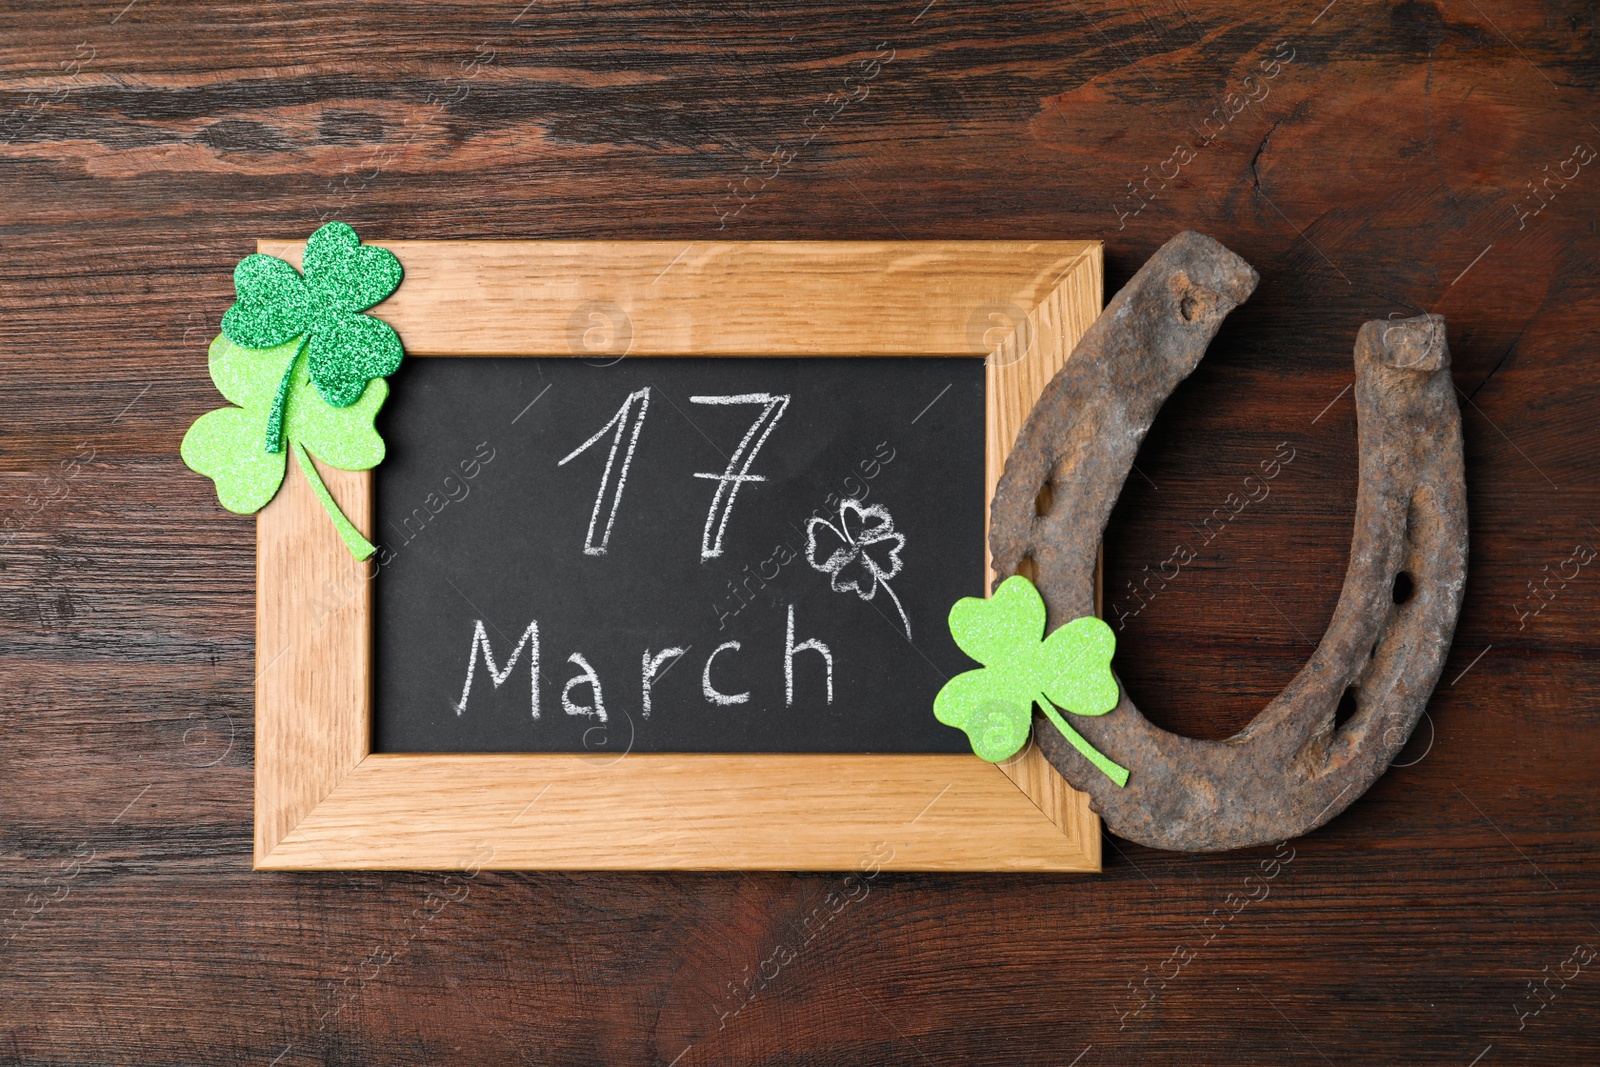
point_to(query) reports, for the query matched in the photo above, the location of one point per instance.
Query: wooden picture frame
(324, 800)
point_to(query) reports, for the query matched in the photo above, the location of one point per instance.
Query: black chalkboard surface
(675, 554)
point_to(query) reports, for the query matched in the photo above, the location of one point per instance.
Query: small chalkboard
(675, 555)
(588, 441)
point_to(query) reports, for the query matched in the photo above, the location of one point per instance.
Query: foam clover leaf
(1071, 668)
(225, 444)
(322, 309)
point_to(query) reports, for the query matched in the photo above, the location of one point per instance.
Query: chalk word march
(652, 665)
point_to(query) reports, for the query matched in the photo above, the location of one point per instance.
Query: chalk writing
(738, 469)
(652, 666)
(596, 710)
(790, 648)
(712, 693)
(480, 640)
(620, 421)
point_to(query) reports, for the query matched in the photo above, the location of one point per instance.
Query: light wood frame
(324, 800)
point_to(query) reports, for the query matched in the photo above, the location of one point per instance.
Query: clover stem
(898, 607)
(1113, 771)
(280, 400)
(359, 546)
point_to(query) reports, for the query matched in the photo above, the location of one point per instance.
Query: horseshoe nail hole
(1404, 586)
(1188, 306)
(1346, 709)
(1028, 569)
(1045, 500)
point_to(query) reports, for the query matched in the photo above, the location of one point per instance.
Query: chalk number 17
(627, 423)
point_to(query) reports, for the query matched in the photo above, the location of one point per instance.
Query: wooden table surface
(1370, 160)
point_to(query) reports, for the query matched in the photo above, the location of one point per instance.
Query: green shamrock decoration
(225, 444)
(303, 366)
(321, 309)
(1022, 667)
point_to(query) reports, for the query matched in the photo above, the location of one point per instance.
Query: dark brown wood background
(1384, 172)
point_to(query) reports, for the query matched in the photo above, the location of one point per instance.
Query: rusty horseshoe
(1292, 769)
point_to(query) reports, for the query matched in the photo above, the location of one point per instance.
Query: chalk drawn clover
(860, 552)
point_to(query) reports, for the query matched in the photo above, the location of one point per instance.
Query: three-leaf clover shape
(324, 401)
(1070, 668)
(321, 308)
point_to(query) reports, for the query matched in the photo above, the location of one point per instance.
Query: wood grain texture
(1383, 170)
(728, 298)
(1033, 341)
(313, 683)
(324, 803)
(546, 811)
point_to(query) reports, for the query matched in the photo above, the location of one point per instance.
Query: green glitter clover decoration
(304, 366)
(1070, 668)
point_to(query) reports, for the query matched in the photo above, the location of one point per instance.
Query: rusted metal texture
(1293, 768)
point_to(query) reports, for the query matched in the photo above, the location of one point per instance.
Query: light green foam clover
(225, 444)
(321, 310)
(1070, 668)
